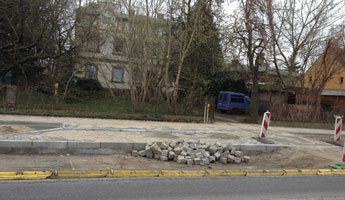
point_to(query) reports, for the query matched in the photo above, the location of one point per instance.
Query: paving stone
(194, 146)
(163, 146)
(237, 160)
(220, 149)
(171, 155)
(206, 154)
(190, 162)
(197, 161)
(142, 153)
(181, 160)
(172, 144)
(245, 158)
(206, 161)
(135, 153)
(156, 149)
(225, 154)
(224, 160)
(178, 150)
(163, 158)
(199, 155)
(190, 152)
(156, 157)
(212, 159)
(238, 154)
(212, 149)
(185, 148)
(165, 153)
(175, 157)
(231, 159)
(149, 154)
(217, 155)
(183, 153)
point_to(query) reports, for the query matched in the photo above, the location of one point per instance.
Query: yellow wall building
(328, 72)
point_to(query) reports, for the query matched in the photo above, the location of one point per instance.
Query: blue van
(234, 102)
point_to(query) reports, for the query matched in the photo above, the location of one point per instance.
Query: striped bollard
(338, 126)
(265, 123)
(344, 154)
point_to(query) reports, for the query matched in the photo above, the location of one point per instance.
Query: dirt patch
(14, 129)
(222, 136)
(162, 135)
(286, 158)
(299, 157)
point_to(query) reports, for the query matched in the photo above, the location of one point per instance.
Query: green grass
(106, 107)
(102, 115)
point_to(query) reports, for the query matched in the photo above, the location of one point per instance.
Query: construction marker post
(265, 123)
(208, 110)
(338, 127)
(205, 111)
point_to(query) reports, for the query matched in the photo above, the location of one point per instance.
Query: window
(220, 97)
(118, 45)
(108, 17)
(93, 43)
(341, 80)
(118, 74)
(225, 97)
(237, 99)
(310, 79)
(91, 71)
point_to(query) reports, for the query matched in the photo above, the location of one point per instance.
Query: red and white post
(338, 126)
(344, 154)
(265, 123)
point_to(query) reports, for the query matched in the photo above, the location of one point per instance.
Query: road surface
(306, 188)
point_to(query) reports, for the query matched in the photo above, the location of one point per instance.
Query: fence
(303, 113)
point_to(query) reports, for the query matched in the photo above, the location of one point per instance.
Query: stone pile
(192, 153)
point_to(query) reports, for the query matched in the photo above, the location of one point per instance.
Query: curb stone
(100, 148)
(39, 175)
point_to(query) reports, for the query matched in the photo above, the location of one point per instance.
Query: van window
(225, 97)
(237, 99)
(220, 97)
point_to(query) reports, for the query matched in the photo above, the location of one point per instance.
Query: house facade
(109, 38)
(326, 74)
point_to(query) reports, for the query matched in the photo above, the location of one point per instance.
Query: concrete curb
(101, 148)
(39, 175)
(63, 147)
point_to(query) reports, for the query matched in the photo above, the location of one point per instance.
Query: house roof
(329, 92)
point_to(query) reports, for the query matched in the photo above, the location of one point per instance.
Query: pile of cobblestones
(192, 153)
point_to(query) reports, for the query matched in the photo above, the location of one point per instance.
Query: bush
(85, 84)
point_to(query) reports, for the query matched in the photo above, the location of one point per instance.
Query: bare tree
(250, 30)
(297, 29)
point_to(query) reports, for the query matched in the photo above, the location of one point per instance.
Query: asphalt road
(314, 187)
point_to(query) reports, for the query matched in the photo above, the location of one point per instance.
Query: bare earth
(287, 158)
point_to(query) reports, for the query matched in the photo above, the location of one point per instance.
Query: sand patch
(14, 129)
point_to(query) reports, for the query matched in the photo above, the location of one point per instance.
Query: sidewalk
(306, 147)
(105, 130)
